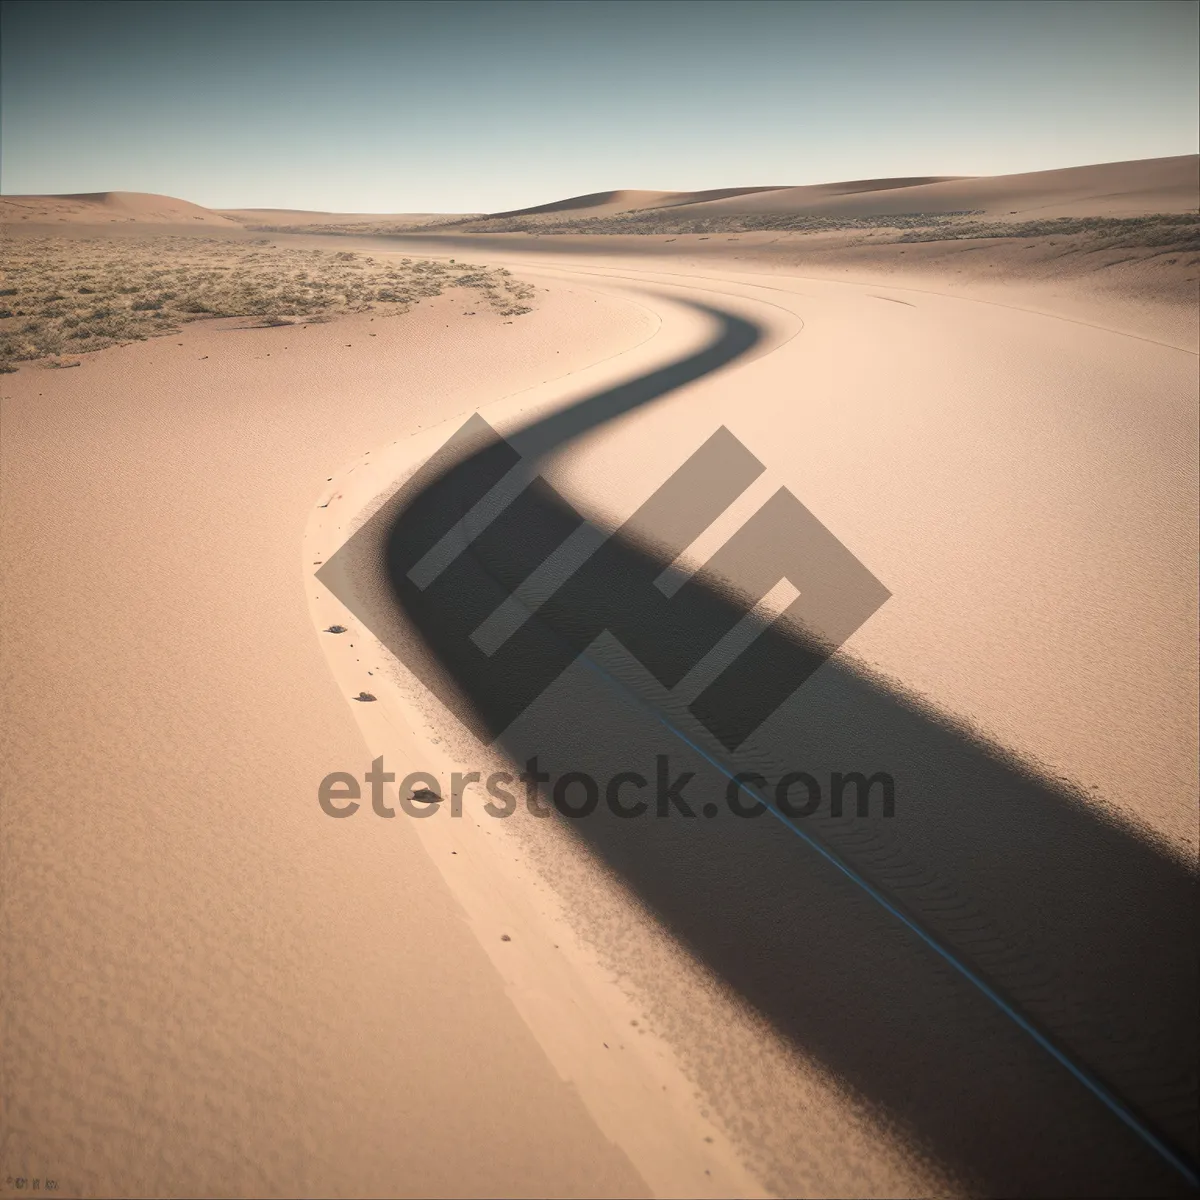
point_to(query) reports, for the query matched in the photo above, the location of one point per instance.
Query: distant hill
(107, 208)
(1122, 189)
(603, 204)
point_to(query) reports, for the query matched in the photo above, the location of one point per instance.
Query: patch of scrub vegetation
(645, 220)
(1171, 231)
(69, 296)
(367, 228)
(667, 220)
(1178, 232)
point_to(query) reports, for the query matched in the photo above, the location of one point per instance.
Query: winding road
(1004, 966)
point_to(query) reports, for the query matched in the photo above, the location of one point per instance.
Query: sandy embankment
(210, 987)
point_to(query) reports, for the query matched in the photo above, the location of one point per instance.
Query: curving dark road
(1021, 1006)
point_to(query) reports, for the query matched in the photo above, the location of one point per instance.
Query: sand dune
(1124, 189)
(1152, 185)
(603, 204)
(595, 203)
(299, 217)
(145, 208)
(94, 208)
(1155, 185)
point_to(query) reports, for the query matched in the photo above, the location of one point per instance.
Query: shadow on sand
(1083, 927)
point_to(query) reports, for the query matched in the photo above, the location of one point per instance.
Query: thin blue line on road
(1110, 1101)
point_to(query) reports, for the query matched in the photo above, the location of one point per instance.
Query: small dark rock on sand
(364, 696)
(336, 629)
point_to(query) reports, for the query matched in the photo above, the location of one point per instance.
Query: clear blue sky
(480, 106)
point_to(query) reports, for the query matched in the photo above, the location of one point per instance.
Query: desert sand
(294, 216)
(101, 208)
(627, 200)
(215, 989)
(1113, 189)
(1162, 185)
(211, 986)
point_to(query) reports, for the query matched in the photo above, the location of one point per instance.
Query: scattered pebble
(364, 696)
(336, 629)
(505, 938)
